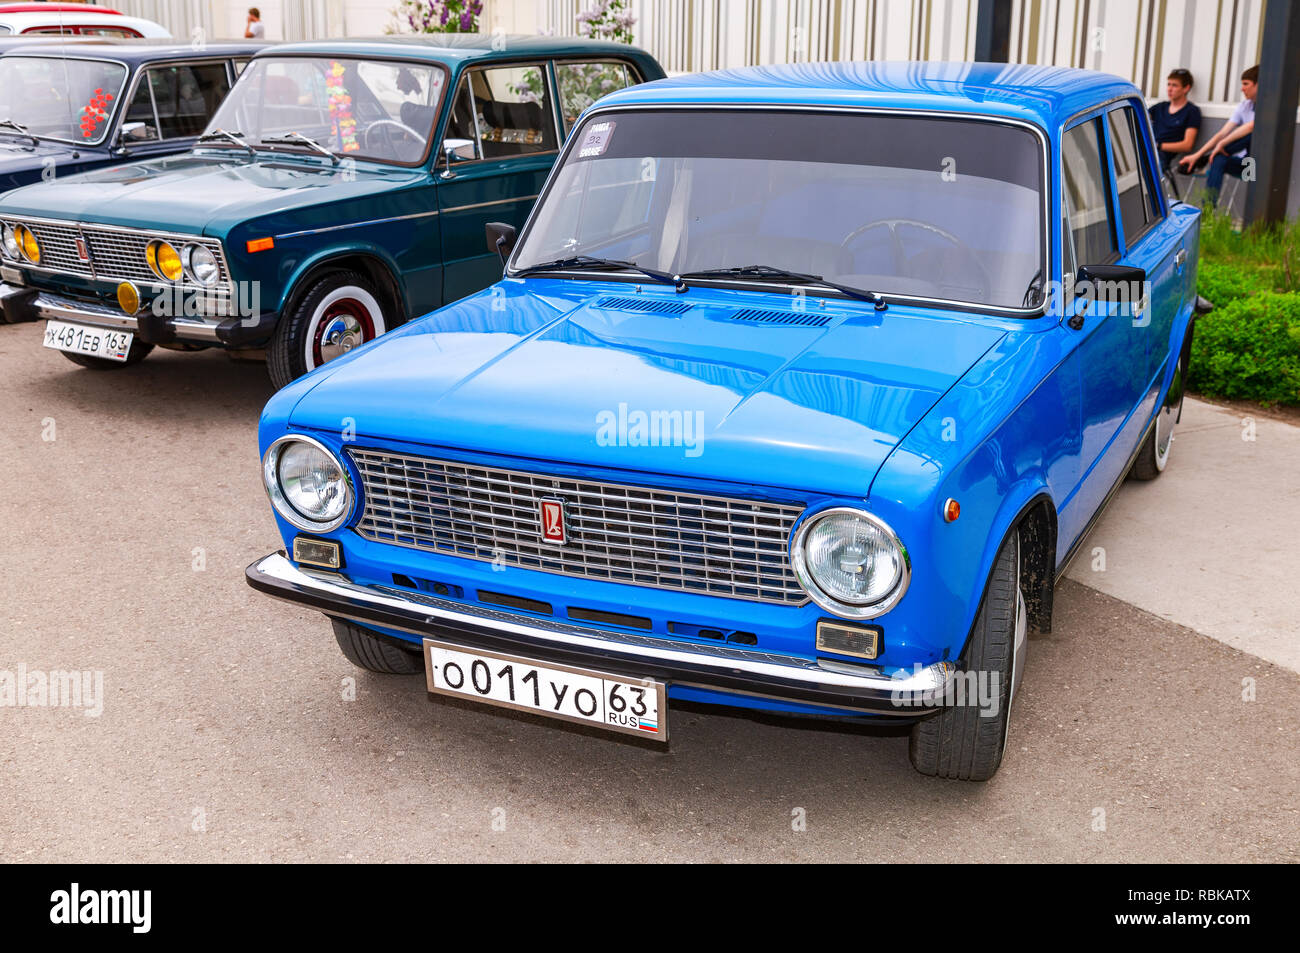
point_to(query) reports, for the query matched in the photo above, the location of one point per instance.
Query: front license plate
(79, 339)
(633, 706)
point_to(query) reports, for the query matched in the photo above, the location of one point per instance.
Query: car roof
(54, 17)
(455, 48)
(1046, 96)
(135, 52)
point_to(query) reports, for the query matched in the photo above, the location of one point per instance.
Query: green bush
(1250, 348)
(1222, 282)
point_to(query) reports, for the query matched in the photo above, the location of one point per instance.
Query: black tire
(138, 352)
(365, 649)
(296, 347)
(1154, 455)
(959, 741)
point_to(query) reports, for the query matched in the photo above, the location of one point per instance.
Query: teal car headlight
(201, 264)
(850, 562)
(308, 485)
(9, 242)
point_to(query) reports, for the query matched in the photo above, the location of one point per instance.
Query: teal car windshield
(58, 97)
(382, 110)
(929, 207)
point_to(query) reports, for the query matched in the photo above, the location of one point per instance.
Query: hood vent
(645, 305)
(803, 319)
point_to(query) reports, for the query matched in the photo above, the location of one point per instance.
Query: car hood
(20, 156)
(201, 193)
(547, 370)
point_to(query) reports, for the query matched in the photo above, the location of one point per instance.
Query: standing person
(254, 29)
(1229, 147)
(1176, 121)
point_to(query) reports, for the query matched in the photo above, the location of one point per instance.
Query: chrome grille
(707, 544)
(115, 254)
(59, 248)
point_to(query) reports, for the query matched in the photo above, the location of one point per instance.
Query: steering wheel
(897, 246)
(401, 126)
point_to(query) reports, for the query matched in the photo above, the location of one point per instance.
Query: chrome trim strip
(1045, 198)
(422, 613)
(373, 221)
(518, 198)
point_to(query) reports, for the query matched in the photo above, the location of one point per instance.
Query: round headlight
(201, 264)
(850, 562)
(27, 242)
(164, 260)
(307, 484)
(9, 243)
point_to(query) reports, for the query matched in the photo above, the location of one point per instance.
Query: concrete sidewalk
(1214, 543)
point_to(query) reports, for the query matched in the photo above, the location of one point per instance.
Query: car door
(1112, 357)
(503, 136)
(1150, 240)
(171, 104)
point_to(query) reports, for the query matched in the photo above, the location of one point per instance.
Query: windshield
(58, 98)
(367, 109)
(927, 207)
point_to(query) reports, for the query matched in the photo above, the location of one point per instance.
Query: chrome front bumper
(26, 304)
(728, 668)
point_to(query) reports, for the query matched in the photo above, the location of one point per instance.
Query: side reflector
(259, 244)
(843, 639)
(951, 510)
(317, 552)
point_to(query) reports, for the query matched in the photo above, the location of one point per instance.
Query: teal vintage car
(341, 189)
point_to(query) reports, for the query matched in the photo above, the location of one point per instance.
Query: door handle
(1181, 258)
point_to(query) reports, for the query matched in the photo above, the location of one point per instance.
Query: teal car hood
(201, 194)
(545, 369)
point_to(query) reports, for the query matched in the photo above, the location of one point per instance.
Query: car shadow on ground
(166, 385)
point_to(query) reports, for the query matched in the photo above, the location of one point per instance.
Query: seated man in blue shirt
(1230, 146)
(1175, 122)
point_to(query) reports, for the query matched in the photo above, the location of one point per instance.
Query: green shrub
(1223, 282)
(1250, 348)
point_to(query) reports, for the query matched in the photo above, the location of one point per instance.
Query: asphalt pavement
(232, 729)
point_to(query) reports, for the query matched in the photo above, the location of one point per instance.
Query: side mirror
(457, 150)
(500, 239)
(1111, 284)
(134, 132)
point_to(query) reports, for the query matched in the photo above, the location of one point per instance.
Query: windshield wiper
(223, 135)
(770, 271)
(20, 129)
(590, 261)
(298, 139)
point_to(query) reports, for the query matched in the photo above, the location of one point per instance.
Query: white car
(78, 23)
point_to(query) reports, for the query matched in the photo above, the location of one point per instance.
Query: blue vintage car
(801, 389)
(341, 189)
(72, 107)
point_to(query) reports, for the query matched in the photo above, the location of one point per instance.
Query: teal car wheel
(338, 312)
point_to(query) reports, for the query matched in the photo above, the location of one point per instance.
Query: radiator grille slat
(688, 542)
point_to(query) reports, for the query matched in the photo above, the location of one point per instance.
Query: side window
(141, 109)
(186, 96)
(239, 66)
(505, 111)
(581, 84)
(1130, 177)
(1090, 230)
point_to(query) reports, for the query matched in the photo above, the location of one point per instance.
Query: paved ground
(224, 733)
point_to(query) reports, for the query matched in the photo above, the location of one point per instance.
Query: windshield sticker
(95, 112)
(596, 139)
(340, 105)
